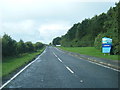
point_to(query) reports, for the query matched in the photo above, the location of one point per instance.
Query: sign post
(106, 45)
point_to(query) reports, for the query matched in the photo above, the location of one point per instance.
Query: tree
(56, 41)
(29, 47)
(8, 46)
(21, 47)
(38, 45)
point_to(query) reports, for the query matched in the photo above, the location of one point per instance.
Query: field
(10, 64)
(91, 51)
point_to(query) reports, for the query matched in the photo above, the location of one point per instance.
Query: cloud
(25, 26)
(25, 30)
(30, 30)
(50, 31)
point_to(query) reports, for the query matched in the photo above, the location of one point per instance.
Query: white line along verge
(105, 66)
(69, 69)
(19, 72)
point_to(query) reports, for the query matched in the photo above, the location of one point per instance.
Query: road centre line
(69, 69)
(65, 65)
(57, 57)
(21, 71)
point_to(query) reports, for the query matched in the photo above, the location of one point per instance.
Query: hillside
(90, 31)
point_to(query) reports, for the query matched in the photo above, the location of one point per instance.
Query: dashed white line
(53, 53)
(81, 81)
(62, 62)
(69, 69)
(57, 57)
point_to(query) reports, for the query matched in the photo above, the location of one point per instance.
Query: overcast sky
(43, 20)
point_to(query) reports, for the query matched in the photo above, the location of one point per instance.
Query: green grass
(91, 51)
(12, 63)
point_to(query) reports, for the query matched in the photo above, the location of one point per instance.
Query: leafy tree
(38, 45)
(8, 46)
(111, 28)
(56, 41)
(21, 47)
(29, 46)
(12, 48)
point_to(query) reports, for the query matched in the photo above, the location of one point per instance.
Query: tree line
(11, 47)
(91, 31)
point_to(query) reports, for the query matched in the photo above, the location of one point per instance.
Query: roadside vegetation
(10, 47)
(16, 54)
(91, 51)
(89, 32)
(13, 63)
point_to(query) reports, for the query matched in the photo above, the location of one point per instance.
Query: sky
(43, 20)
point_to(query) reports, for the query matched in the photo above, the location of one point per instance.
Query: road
(55, 69)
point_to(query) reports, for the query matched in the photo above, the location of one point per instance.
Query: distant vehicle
(58, 45)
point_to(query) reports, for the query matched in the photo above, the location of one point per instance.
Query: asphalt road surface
(55, 69)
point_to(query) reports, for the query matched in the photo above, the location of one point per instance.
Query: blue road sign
(106, 45)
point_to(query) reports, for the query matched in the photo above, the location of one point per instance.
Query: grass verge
(91, 51)
(12, 63)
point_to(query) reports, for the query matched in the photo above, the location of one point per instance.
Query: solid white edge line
(69, 69)
(19, 72)
(105, 66)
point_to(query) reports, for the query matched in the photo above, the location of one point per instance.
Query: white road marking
(105, 66)
(57, 57)
(53, 53)
(81, 81)
(69, 69)
(17, 74)
(58, 50)
(20, 71)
